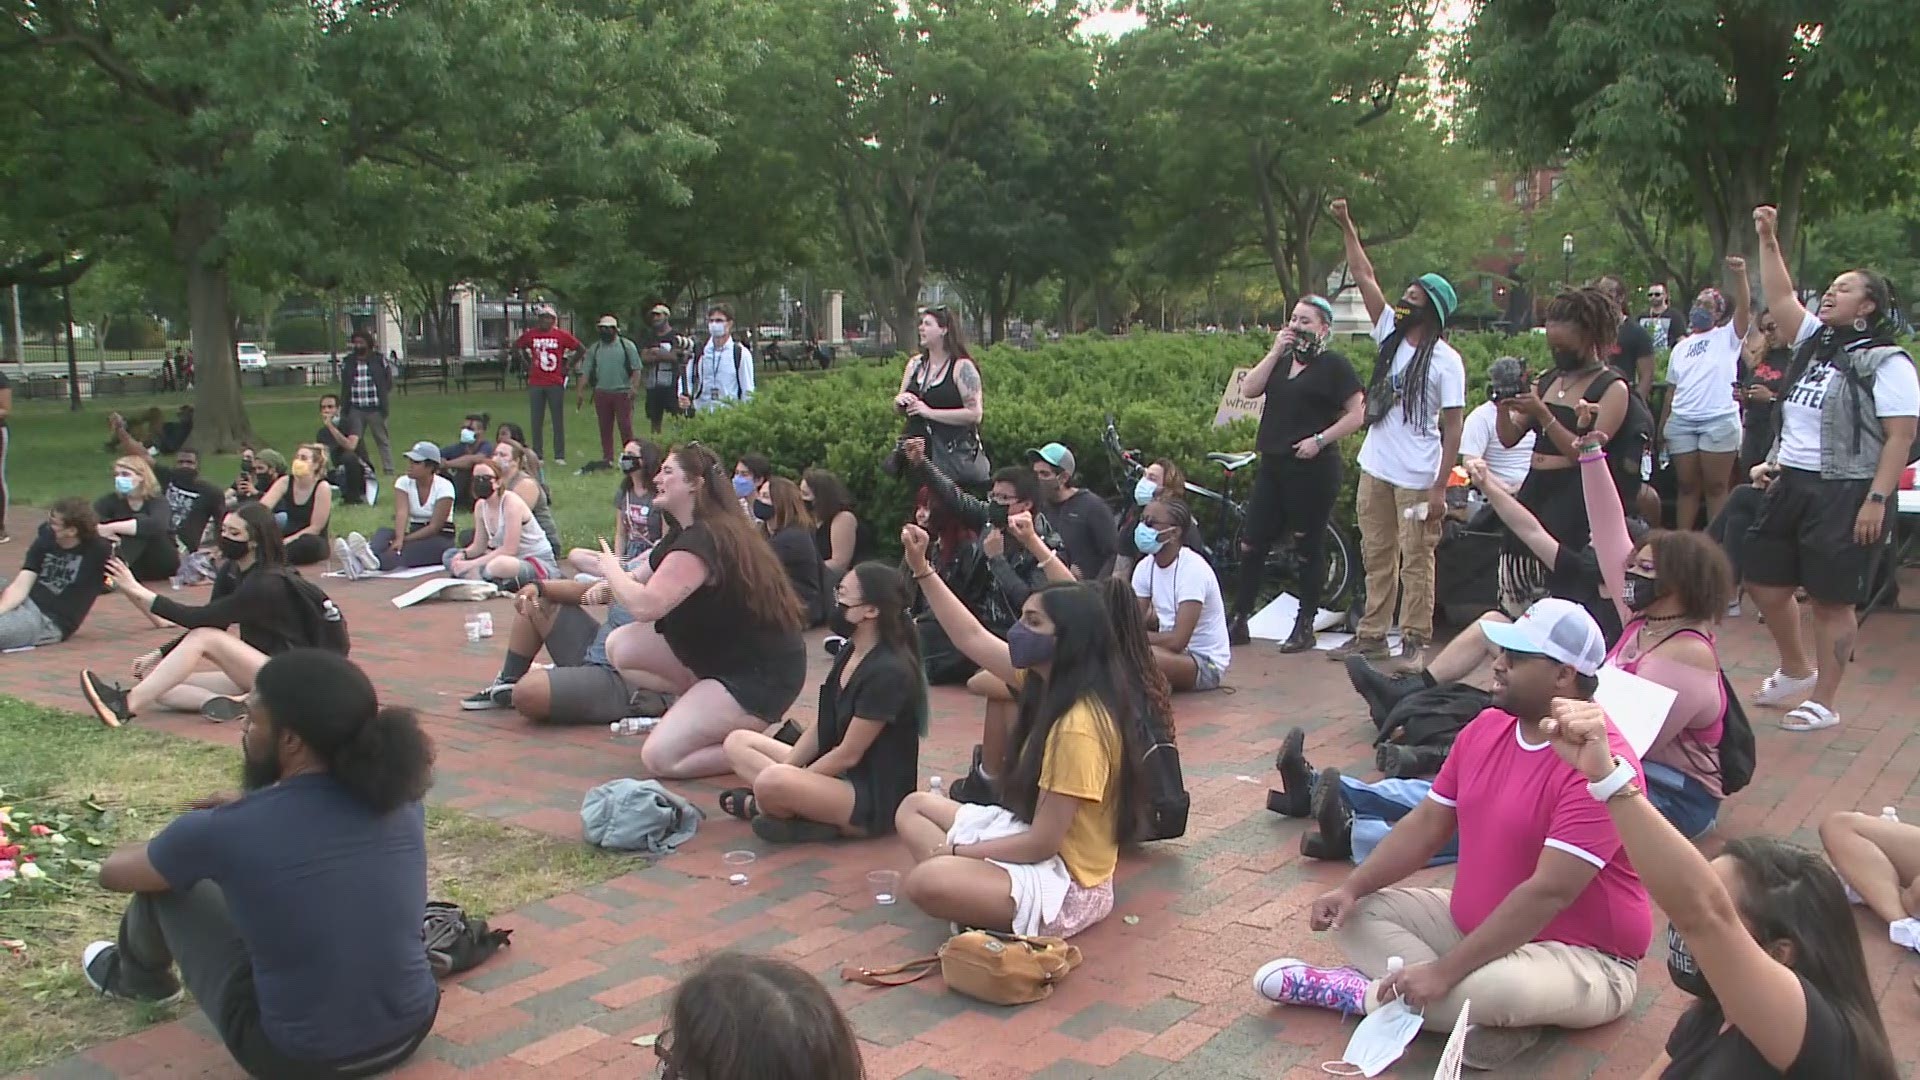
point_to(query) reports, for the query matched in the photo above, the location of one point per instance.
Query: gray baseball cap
(424, 451)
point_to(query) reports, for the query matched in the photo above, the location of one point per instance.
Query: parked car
(252, 356)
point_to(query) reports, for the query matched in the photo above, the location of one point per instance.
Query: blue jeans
(1378, 805)
(1683, 800)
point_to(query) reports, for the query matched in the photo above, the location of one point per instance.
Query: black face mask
(997, 515)
(838, 621)
(232, 549)
(762, 511)
(629, 463)
(483, 487)
(1640, 592)
(1682, 969)
(607, 333)
(1569, 359)
(185, 475)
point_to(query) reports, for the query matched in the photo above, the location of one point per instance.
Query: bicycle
(1229, 523)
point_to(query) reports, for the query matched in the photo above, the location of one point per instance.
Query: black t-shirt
(305, 863)
(1308, 403)
(1086, 530)
(153, 521)
(712, 631)
(262, 602)
(1702, 1051)
(192, 502)
(801, 560)
(1633, 347)
(1575, 576)
(1665, 330)
(885, 688)
(336, 453)
(69, 579)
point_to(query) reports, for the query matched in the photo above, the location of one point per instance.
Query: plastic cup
(737, 863)
(885, 883)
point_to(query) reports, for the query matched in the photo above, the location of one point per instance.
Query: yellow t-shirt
(1082, 760)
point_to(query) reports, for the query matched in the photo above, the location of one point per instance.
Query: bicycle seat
(1232, 462)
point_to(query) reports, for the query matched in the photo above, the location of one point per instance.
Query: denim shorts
(1720, 435)
(1683, 800)
(1210, 673)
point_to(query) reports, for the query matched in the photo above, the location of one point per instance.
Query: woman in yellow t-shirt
(1042, 861)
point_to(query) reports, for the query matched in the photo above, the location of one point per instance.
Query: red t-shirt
(550, 349)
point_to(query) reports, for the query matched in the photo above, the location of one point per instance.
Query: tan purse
(1001, 969)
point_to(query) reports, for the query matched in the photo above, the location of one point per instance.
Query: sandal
(777, 830)
(738, 802)
(1810, 716)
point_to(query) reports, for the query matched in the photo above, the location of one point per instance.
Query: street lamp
(1566, 249)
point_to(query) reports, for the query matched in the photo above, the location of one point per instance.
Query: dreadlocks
(1589, 310)
(1413, 381)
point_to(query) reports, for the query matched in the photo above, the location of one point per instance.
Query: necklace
(1561, 393)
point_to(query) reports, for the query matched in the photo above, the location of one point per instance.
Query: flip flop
(738, 802)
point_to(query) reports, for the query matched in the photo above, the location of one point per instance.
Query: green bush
(300, 334)
(134, 332)
(1162, 390)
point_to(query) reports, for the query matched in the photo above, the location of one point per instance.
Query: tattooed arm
(967, 376)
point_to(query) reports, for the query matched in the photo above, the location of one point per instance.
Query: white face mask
(1379, 1040)
(717, 329)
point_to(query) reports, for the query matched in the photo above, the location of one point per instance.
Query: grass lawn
(52, 761)
(55, 452)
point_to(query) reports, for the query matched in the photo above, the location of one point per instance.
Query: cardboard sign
(1233, 406)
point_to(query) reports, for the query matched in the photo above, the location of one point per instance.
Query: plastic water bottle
(935, 787)
(632, 725)
(1888, 813)
(1394, 964)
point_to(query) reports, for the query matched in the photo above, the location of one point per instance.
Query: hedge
(300, 334)
(134, 332)
(1162, 390)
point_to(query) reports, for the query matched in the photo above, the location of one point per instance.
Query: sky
(1118, 19)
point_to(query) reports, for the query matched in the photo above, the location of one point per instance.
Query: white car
(252, 357)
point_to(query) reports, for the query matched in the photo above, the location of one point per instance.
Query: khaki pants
(1398, 554)
(1543, 983)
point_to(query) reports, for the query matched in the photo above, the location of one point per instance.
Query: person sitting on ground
(716, 621)
(1547, 919)
(778, 508)
(740, 1017)
(1160, 478)
(1760, 937)
(750, 474)
(251, 481)
(1042, 860)
(458, 458)
(422, 530)
(582, 686)
(519, 473)
(274, 607)
(1085, 523)
(1180, 599)
(635, 526)
(841, 535)
(138, 520)
(326, 844)
(192, 502)
(347, 467)
(1878, 856)
(302, 503)
(849, 772)
(61, 576)
(509, 548)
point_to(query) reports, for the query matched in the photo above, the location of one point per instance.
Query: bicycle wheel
(1337, 586)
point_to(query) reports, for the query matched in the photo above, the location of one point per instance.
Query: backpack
(695, 385)
(322, 624)
(628, 354)
(455, 942)
(1738, 752)
(1433, 717)
(1167, 801)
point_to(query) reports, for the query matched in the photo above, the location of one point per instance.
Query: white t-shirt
(1896, 392)
(1189, 578)
(418, 512)
(1480, 437)
(1703, 369)
(1408, 455)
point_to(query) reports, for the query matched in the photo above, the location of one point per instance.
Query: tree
(1707, 108)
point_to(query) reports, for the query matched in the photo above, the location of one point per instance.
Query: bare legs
(1716, 480)
(1880, 859)
(175, 684)
(1181, 670)
(971, 892)
(1782, 612)
(1686, 503)
(996, 730)
(788, 791)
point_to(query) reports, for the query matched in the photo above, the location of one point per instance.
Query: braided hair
(1591, 312)
(1413, 393)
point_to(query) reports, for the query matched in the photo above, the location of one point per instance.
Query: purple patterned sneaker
(1287, 981)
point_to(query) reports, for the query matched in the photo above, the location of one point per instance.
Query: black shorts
(1803, 536)
(662, 402)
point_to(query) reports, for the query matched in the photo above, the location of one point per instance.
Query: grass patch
(52, 760)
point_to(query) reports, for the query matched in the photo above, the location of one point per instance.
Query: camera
(1506, 378)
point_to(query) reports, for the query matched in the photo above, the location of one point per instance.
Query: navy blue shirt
(328, 897)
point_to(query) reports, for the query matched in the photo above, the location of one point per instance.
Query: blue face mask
(1699, 319)
(743, 486)
(1147, 539)
(123, 484)
(467, 435)
(1144, 491)
(1027, 647)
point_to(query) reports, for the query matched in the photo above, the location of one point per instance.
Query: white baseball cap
(1556, 628)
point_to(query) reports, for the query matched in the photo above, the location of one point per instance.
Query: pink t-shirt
(1513, 799)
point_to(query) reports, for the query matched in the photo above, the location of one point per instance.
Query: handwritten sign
(1233, 404)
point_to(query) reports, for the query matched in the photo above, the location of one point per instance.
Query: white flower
(31, 871)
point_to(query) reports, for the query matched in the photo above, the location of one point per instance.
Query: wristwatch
(1319, 439)
(1876, 498)
(1610, 785)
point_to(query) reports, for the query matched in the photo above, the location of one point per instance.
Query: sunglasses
(937, 309)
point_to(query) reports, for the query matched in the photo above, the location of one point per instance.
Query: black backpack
(1738, 752)
(1167, 800)
(1433, 717)
(322, 624)
(695, 386)
(455, 942)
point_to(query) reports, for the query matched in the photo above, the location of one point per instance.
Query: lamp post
(1566, 249)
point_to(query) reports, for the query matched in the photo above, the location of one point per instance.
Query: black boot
(1237, 633)
(1295, 797)
(1382, 691)
(974, 787)
(1332, 819)
(1303, 638)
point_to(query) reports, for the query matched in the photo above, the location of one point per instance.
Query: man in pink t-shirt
(549, 352)
(1547, 920)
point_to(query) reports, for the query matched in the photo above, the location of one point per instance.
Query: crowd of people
(1076, 628)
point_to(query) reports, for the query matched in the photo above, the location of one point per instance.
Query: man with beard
(663, 351)
(292, 911)
(366, 389)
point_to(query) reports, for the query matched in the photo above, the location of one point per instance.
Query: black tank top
(299, 515)
(1568, 417)
(944, 394)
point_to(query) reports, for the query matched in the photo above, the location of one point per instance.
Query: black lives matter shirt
(67, 580)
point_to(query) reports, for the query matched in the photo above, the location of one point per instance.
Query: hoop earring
(1860, 325)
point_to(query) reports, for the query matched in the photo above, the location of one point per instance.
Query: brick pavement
(1164, 991)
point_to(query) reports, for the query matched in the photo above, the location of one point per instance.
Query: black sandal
(738, 802)
(776, 830)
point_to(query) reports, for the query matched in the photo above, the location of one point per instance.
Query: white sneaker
(1733, 610)
(1781, 688)
(363, 551)
(349, 563)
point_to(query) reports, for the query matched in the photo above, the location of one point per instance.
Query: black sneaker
(650, 703)
(499, 695)
(1380, 690)
(1237, 632)
(974, 787)
(220, 710)
(108, 700)
(1295, 797)
(1332, 818)
(100, 963)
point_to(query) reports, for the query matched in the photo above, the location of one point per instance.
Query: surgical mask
(607, 333)
(997, 515)
(762, 511)
(1569, 359)
(1699, 319)
(1639, 592)
(838, 621)
(716, 329)
(1380, 1039)
(1027, 647)
(743, 486)
(483, 487)
(467, 435)
(124, 484)
(1144, 491)
(1147, 539)
(300, 468)
(231, 549)
(1682, 968)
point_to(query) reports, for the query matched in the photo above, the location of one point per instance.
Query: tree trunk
(220, 417)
